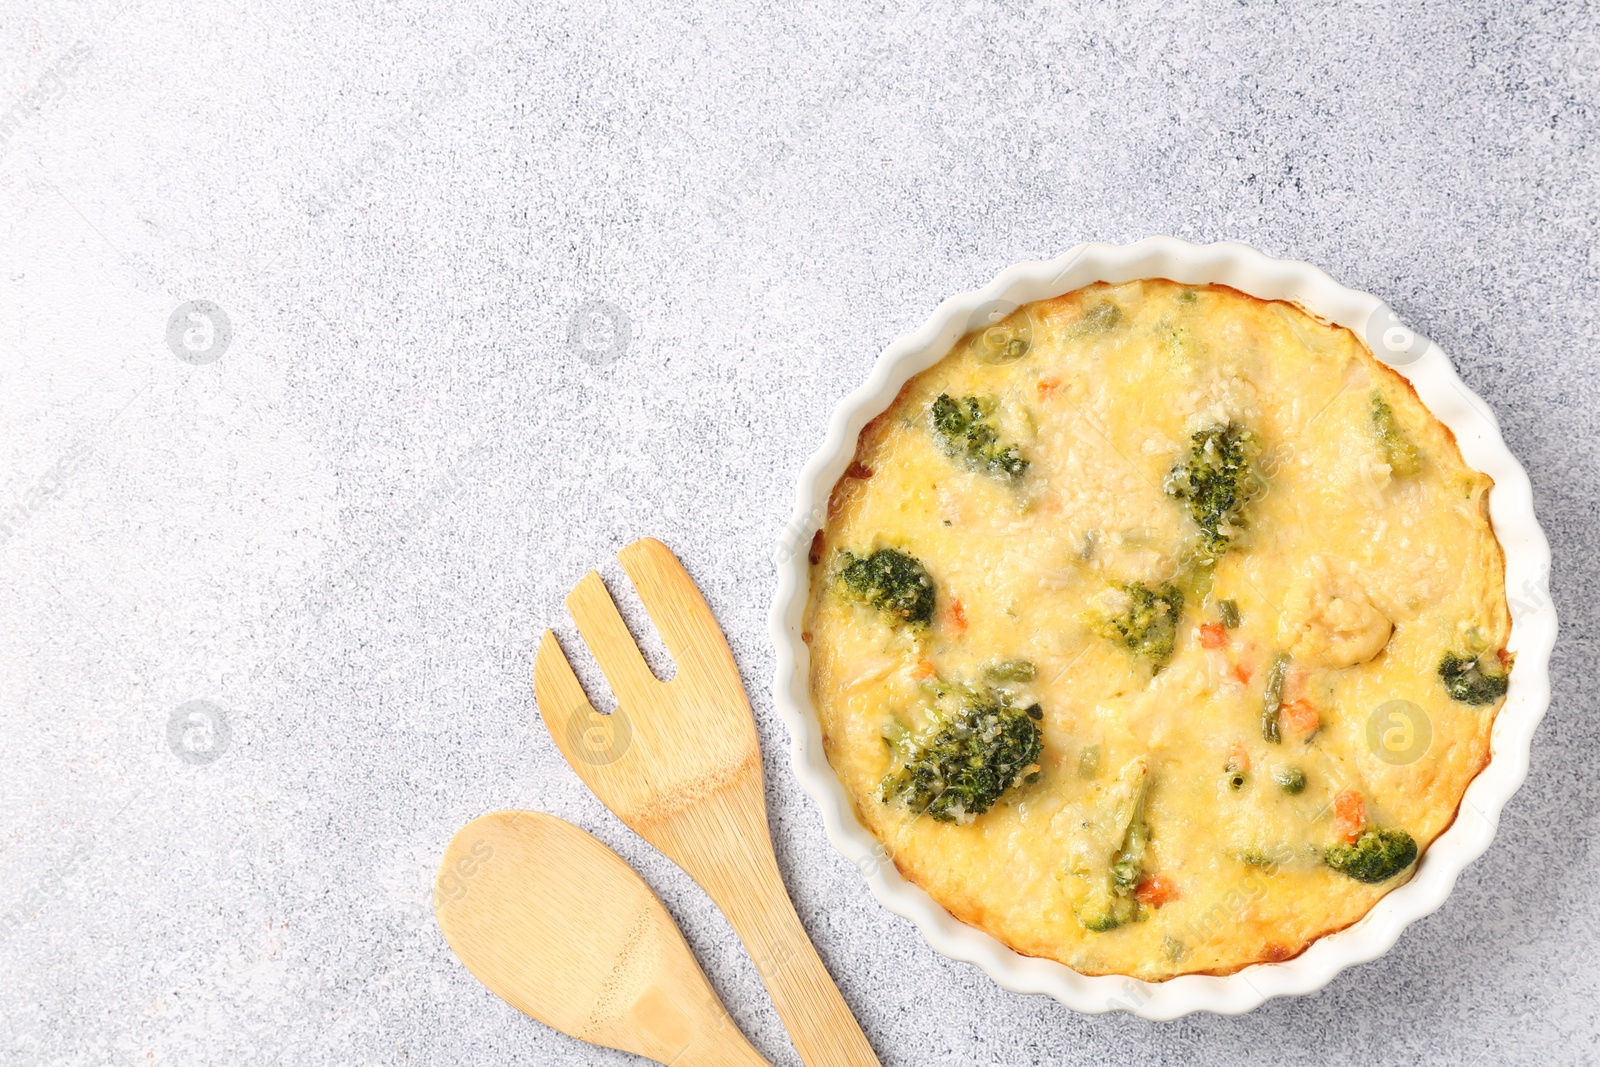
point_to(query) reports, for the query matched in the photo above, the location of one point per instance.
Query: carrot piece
(1300, 717)
(1349, 815)
(1048, 386)
(1155, 891)
(1238, 758)
(924, 669)
(1213, 635)
(956, 617)
(1243, 672)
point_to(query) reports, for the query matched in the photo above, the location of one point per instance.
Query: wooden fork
(679, 762)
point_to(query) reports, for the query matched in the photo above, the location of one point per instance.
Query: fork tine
(686, 624)
(610, 642)
(559, 693)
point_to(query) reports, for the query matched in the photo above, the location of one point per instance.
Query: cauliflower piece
(1329, 622)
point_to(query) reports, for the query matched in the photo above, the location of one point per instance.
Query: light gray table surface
(343, 525)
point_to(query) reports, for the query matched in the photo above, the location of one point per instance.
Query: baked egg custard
(1157, 629)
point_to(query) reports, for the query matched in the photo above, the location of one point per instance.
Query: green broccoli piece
(1217, 481)
(1116, 910)
(1468, 682)
(1377, 856)
(966, 432)
(1142, 620)
(1398, 451)
(968, 759)
(892, 581)
(1104, 898)
(1102, 317)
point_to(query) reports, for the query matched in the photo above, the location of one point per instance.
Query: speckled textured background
(342, 525)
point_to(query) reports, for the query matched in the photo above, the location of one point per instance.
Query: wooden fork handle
(823, 1030)
(724, 845)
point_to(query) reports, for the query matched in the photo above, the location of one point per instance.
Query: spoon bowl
(562, 929)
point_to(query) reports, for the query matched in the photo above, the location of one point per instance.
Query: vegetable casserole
(1157, 629)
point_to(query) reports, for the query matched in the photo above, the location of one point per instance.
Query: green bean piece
(1272, 702)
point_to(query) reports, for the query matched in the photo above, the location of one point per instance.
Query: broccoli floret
(1376, 856)
(969, 759)
(1467, 681)
(1398, 451)
(1217, 481)
(966, 432)
(1104, 897)
(892, 581)
(1112, 912)
(1142, 620)
(1098, 319)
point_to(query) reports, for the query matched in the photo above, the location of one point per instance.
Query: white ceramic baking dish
(1511, 509)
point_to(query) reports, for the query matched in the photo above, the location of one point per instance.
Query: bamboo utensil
(562, 929)
(679, 762)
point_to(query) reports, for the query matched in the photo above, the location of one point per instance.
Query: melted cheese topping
(1361, 568)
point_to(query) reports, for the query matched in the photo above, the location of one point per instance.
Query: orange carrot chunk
(1349, 815)
(1213, 635)
(956, 617)
(1300, 717)
(1155, 891)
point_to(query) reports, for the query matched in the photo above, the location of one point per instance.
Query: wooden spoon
(679, 762)
(562, 929)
